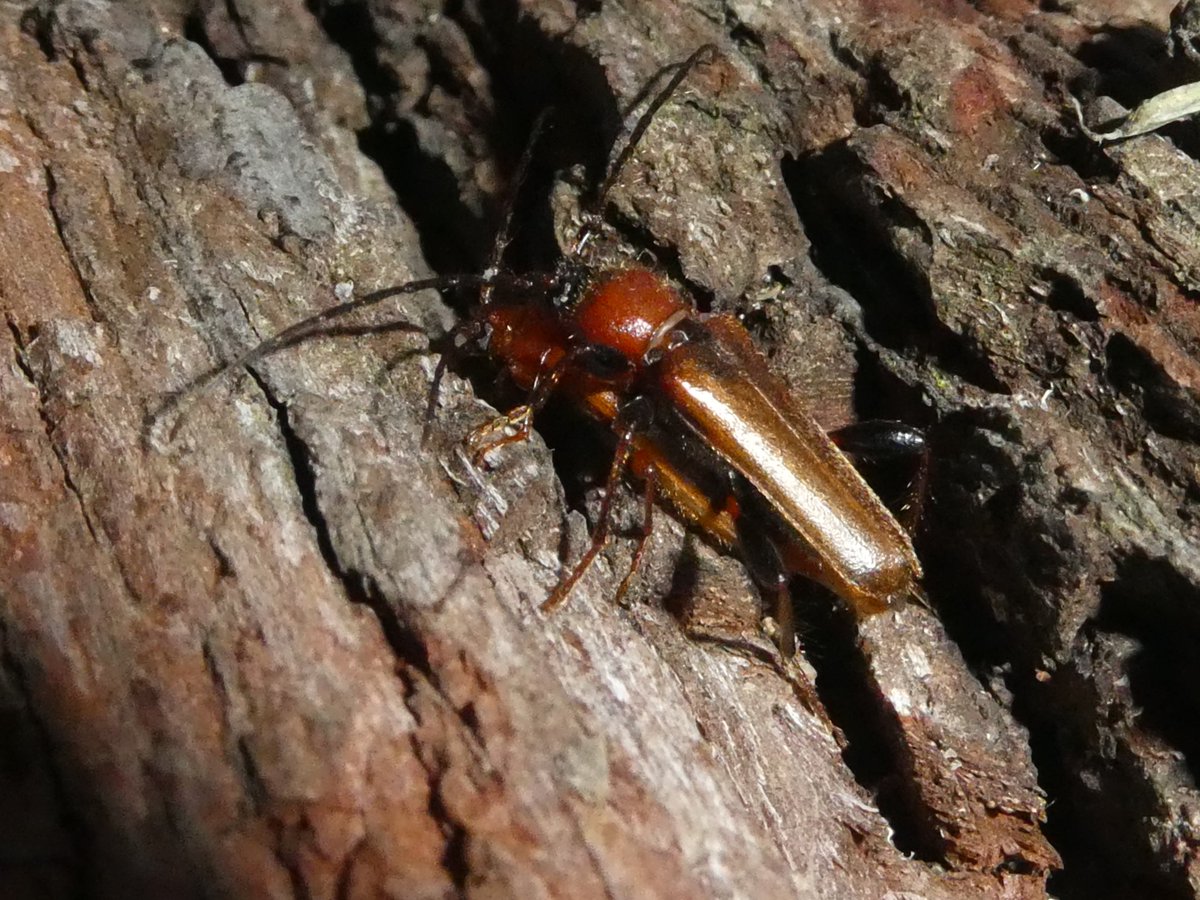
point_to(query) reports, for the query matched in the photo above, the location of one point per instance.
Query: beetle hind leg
(766, 566)
(883, 441)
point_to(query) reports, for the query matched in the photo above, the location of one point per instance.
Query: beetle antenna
(473, 326)
(317, 324)
(617, 164)
(504, 233)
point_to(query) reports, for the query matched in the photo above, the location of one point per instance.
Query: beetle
(699, 418)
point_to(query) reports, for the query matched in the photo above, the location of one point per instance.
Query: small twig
(1162, 109)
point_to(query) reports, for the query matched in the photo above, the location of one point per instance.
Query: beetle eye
(605, 362)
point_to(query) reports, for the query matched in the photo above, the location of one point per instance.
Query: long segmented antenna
(314, 325)
(683, 69)
(491, 278)
(472, 326)
(504, 233)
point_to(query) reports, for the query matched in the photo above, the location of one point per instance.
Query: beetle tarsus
(514, 427)
(785, 621)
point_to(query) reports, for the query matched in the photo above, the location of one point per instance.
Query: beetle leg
(765, 564)
(630, 420)
(498, 433)
(515, 426)
(648, 495)
(785, 620)
(881, 440)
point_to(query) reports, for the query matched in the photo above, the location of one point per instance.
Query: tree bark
(266, 643)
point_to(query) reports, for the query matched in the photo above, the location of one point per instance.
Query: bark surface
(269, 645)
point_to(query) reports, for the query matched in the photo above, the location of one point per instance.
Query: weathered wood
(273, 647)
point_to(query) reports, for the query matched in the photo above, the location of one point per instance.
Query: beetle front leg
(516, 425)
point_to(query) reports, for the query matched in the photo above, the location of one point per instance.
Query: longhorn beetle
(699, 418)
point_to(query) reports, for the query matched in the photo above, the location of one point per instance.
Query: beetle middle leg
(631, 420)
(649, 492)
